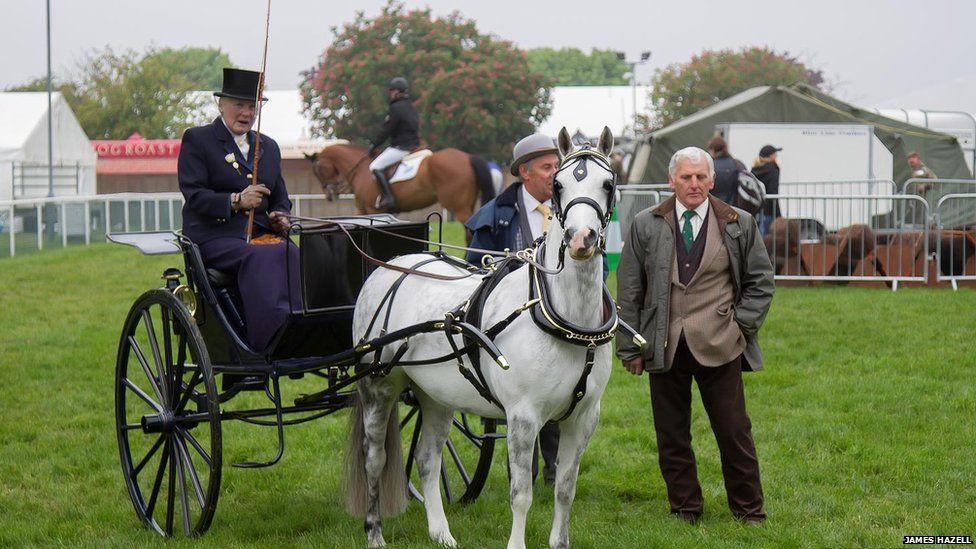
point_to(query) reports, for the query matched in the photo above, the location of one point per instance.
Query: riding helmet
(398, 83)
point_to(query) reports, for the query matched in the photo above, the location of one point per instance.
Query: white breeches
(387, 158)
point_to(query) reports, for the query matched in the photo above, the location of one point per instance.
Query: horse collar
(548, 320)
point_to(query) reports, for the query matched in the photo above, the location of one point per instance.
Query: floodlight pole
(49, 210)
(645, 56)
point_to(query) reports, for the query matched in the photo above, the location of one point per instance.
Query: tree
(116, 94)
(572, 67)
(472, 91)
(685, 88)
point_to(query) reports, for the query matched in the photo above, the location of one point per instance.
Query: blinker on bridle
(579, 173)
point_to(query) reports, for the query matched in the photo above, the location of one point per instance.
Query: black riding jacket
(401, 126)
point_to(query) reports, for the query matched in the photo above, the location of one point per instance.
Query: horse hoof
(444, 540)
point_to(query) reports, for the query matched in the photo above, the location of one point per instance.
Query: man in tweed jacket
(695, 278)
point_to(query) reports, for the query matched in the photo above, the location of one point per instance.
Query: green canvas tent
(799, 104)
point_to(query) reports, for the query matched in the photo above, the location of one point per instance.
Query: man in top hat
(401, 127)
(216, 172)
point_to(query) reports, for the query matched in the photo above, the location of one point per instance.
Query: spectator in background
(766, 170)
(617, 163)
(726, 170)
(920, 171)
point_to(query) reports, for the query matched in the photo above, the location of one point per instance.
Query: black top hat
(240, 84)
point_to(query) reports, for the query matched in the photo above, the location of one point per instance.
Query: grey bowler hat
(531, 147)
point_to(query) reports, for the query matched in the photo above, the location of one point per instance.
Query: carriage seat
(225, 286)
(220, 279)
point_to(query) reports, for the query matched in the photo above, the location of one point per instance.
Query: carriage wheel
(466, 459)
(167, 417)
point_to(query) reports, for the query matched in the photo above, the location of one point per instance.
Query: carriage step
(327, 398)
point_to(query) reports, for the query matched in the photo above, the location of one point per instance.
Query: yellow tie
(546, 212)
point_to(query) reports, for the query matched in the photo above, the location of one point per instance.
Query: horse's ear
(606, 142)
(564, 143)
(311, 157)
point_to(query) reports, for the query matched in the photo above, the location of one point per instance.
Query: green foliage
(711, 76)
(472, 91)
(116, 94)
(572, 67)
(863, 421)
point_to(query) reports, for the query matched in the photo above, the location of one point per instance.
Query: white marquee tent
(24, 150)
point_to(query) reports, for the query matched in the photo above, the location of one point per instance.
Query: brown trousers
(724, 401)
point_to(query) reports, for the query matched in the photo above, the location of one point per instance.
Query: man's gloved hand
(279, 221)
(251, 196)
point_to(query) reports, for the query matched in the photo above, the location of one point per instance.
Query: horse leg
(522, 432)
(379, 396)
(435, 429)
(574, 435)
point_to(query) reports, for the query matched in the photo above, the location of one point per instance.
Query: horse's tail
(482, 178)
(393, 481)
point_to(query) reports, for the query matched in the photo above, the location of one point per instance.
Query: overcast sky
(871, 50)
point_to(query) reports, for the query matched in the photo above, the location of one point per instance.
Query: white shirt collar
(530, 202)
(701, 211)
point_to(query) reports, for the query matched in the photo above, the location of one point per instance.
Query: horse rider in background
(401, 127)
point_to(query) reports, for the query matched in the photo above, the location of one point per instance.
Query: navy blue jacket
(207, 181)
(496, 225)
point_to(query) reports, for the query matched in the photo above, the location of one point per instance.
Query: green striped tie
(687, 234)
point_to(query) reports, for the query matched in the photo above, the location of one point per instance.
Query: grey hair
(693, 155)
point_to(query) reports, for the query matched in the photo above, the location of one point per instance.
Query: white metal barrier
(875, 244)
(955, 242)
(35, 224)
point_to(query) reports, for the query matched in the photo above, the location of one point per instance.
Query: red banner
(137, 147)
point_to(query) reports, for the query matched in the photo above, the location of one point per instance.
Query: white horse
(538, 387)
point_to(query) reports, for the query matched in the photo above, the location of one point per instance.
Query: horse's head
(584, 178)
(326, 171)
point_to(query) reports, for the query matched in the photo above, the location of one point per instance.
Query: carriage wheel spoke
(168, 347)
(196, 445)
(184, 499)
(171, 494)
(149, 455)
(406, 419)
(194, 381)
(154, 346)
(469, 435)
(141, 357)
(188, 466)
(158, 483)
(446, 482)
(457, 461)
(139, 392)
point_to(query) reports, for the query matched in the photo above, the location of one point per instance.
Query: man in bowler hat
(215, 170)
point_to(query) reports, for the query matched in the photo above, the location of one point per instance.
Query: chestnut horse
(450, 176)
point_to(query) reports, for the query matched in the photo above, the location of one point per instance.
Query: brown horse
(450, 176)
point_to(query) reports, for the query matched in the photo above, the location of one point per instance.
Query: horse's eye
(608, 185)
(556, 185)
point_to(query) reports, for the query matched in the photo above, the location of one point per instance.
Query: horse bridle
(579, 173)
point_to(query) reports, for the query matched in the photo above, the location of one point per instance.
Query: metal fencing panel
(848, 238)
(954, 243)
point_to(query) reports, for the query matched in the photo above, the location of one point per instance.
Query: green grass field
(865, 423)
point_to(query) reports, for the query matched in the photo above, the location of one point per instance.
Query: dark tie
(687, 234)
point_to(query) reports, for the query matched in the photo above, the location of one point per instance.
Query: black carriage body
(332, 273)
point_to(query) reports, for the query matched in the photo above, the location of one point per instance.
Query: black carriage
(183, 357)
